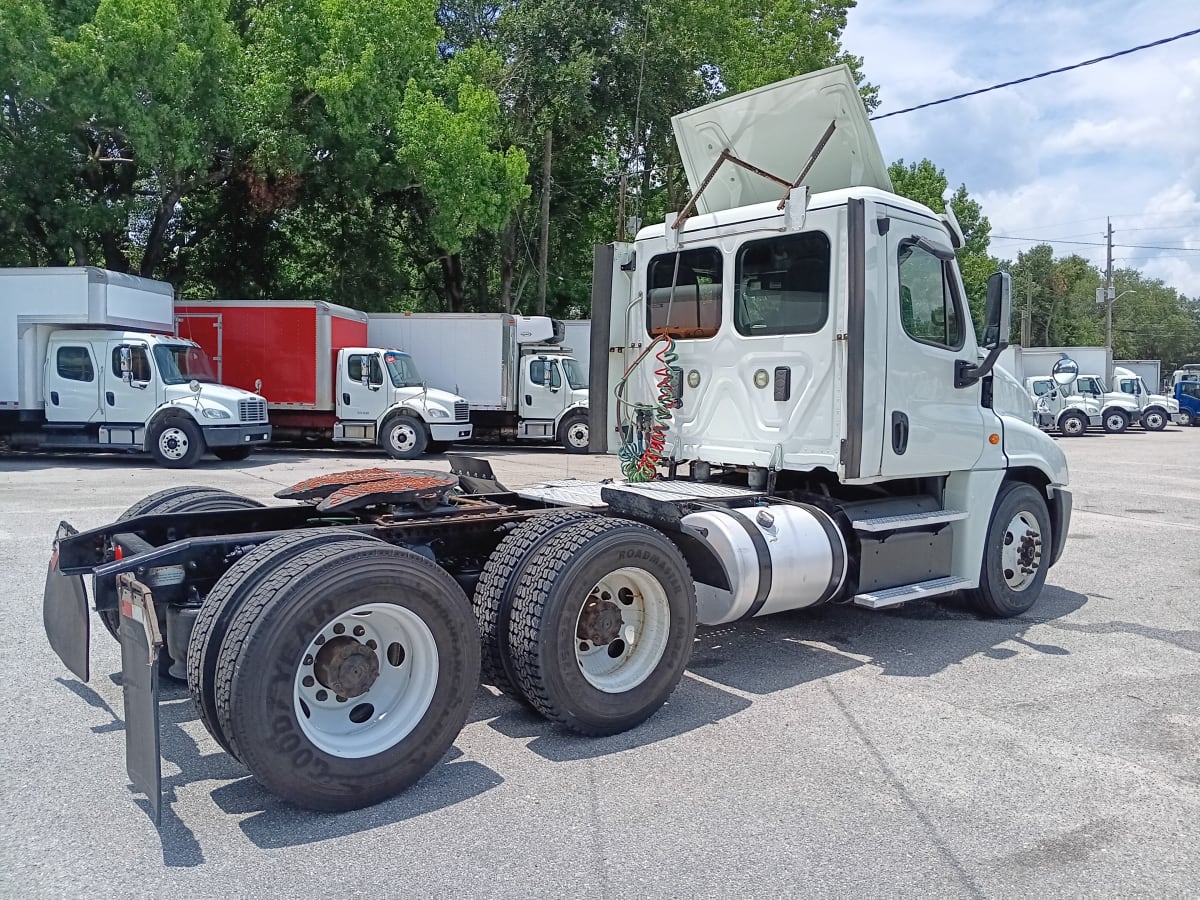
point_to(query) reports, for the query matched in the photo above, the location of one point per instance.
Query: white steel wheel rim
(1072, 426)
(1185, 418)
(1154, 420)
(577, 434)
(394, 703)
(1116, 422)
(173, 443)
(637, 644)
(403, 436)
(1021, 552)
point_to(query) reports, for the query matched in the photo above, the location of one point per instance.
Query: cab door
(361, 398)
(72, 384)
(542, 395)
(129, 399)
(930, 426)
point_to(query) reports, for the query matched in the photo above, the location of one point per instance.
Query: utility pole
(1109, 294)
(544, 250)
(1027, 315)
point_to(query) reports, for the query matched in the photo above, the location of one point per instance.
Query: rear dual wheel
(345, 671)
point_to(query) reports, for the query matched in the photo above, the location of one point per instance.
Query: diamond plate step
(904, 593)
(913, 520)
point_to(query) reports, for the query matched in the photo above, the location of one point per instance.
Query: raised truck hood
(776, 128)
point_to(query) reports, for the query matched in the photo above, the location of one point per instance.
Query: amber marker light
(993, 438)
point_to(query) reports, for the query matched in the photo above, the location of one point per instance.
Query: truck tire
(403, 436)
(1154, 419)
(224, 601)
(1115, 421)
(232, 454)
(176, 442)
(1185, 418)
(305, 632)
(1073, 424)
(576, 658)
(502, 574)
(185, 498)
(573, 433)
(1016, 554)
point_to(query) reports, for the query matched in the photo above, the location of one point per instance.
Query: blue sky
(1051, 158)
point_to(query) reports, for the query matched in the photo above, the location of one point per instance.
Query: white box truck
(520, 381)
(91, 363)
(833, 438)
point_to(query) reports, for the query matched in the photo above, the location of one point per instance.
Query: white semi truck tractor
(804, 415)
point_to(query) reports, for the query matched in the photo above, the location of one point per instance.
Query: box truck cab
(1187, 395)
(382, 399)
(93, 365)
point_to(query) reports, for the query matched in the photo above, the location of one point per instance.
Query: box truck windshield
(181, 363)
(402, 369)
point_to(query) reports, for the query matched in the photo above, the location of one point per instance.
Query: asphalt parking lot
(919, 752)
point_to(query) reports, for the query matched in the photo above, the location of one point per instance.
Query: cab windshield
(576, 377)
(181, 363)
(402, 370)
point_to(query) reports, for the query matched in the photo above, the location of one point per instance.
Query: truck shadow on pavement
(25, 461)
(777, 653)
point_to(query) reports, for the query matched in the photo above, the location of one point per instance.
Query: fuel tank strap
(764, 562)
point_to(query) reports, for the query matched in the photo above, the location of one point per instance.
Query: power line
(1079, 65)
(1004, 237)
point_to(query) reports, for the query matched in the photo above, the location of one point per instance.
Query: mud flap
(141, 644)
(65, 613)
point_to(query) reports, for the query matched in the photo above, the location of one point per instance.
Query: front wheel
(404, 437)
(1154, 419)
(573, 433)
(602, 625)
(345, 676)
(1185, 418)
(1072, 424)
(1016, 553)
(1115, 421)
(176, 443)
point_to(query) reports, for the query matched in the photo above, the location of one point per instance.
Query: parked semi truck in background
(91, 362)
(803, 413)
(321, 376)
(520, 381)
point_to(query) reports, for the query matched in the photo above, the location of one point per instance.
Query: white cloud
(1054, 157)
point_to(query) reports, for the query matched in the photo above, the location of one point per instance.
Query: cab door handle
(112, 400)
(899, 433)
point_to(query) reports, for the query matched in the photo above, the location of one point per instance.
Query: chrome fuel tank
(775, 557)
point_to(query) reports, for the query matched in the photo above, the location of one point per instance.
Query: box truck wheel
(403, 436)
(504, 571)
(346, 674)
(1073, 424)
(1016, 554)
(1154, 419)
(1115, 421)
(573, 432)
(1185, 418)
(185, 498)
(225, 600)
(176, 443)
(602, 626)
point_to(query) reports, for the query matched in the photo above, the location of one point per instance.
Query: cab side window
(362, 364)
(1129, 386)
(929, 307)
(139, 362)
(539, 369)
(74, 364)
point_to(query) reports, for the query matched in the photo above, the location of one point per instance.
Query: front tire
(573, 433)
(347, 674)
(603, 625)
(1115, 421)
(1154, 419)
(404, 436)
(176, 443)
(1073, 424)
(1016, 554)
(1185, 418)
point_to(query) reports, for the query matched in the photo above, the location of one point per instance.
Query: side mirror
(1065, 371)
(997, 311)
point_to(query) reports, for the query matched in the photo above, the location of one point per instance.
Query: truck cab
(1118, 409)
(552, 390)
(1187, 395)
(381, 398)
(1061, 409)
(1154, 410)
